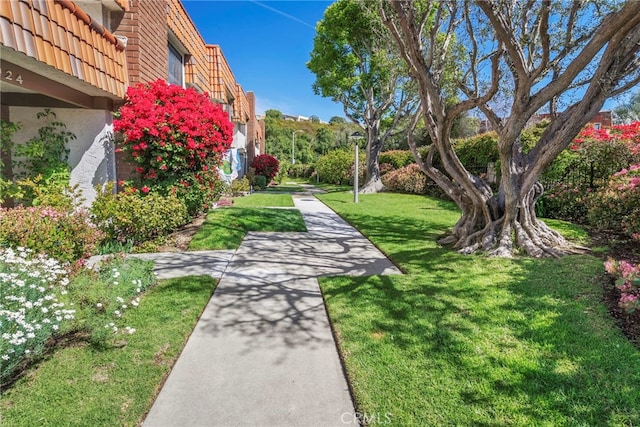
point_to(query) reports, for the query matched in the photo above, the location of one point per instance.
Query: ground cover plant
(470, 340)
(113, 384)
(224, 228)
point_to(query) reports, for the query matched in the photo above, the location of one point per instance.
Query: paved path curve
(262, 353)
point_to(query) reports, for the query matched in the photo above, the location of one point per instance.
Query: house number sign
(10, 75)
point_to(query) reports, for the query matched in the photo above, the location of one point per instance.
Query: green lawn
(264, 200)
(112, 385)
(225, 228)
(467, 340)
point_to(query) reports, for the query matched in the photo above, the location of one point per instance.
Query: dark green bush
(260, 181)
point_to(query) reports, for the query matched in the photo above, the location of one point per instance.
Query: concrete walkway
(262, 353)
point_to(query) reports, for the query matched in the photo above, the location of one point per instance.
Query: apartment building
(78, 57)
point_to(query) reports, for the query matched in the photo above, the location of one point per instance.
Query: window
(176, 67)
(597, 126)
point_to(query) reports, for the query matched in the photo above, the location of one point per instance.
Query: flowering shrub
(564, 201)
(385, 168)
(30, 312)
(65, 236)
(615, 207)
(133, 216)
(627, 281)
(409, 179)
(169, 130)
(265, 165)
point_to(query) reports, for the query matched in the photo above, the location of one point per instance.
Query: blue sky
(267, 44)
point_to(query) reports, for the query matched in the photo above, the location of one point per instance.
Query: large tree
(355, 65)
(522, 57)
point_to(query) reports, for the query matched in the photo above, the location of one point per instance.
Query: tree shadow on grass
(531, 346)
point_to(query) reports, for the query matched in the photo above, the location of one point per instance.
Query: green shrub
(336, 167)
(397, 158)
(477, 151)
(300, 170)
(615, 207)
(65, 236)
(130, 216)
(260, 181)
(241, 185)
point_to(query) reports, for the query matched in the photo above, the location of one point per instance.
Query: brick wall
(255, 129)
(145, 26)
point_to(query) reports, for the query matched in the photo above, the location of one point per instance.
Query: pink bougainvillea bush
(176, 137)
(168, 129)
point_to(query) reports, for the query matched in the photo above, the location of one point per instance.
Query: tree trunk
(372, 180)
(512, 229)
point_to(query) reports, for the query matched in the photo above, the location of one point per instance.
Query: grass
(264, 200)
(114, 384)
(573, 232)
(225, 228)
(470, 340)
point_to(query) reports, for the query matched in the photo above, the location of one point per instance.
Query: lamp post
(293, 146)
(356, 135)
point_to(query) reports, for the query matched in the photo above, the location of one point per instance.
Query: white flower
(99, 305)
(5, 357)
(130, 330)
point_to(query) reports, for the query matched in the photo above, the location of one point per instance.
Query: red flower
(145, 189)
(161, 121)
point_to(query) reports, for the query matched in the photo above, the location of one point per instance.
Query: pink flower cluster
(627, 281)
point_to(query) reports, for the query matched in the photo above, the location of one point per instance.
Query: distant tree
(628, 112)
(314, 119)
(274, 114)
(337, 120)
(354, 65)
(325, 140)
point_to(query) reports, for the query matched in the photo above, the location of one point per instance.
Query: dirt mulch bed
(619, 248)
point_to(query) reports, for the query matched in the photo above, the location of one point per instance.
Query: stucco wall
(91, 155)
